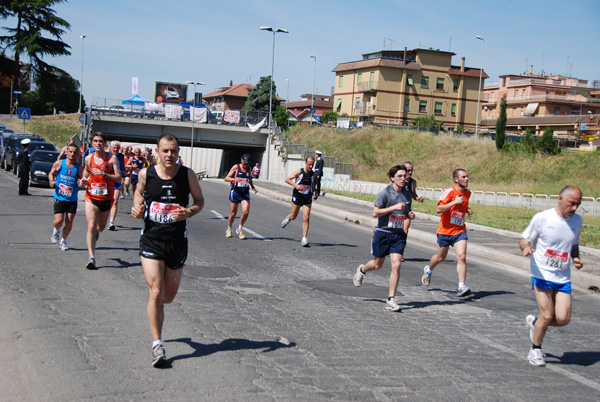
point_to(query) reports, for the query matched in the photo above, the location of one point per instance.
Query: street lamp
(287, 96)
(312, 102)
(81, 75)
(192, 118)
(278, 30)
(479, 93)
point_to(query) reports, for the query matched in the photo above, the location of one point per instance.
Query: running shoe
(358, 276)
(63, 245)
(285, 222)
(304, 242)
(536, 357)
(112, 227)
(241, 234)
(121, 197)
(463, 291)
(127, 194)
(392, 305)
(55, 236)
(530, 320)
(426, 278)
(228, 233)
(91, 263)
(159, 358)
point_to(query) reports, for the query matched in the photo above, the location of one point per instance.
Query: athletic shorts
(172, 252)
(237, 197)
(386, 243)
(118, 186)
(301, 199)
(133, 179)
(544, 284)
(103, 205)
(447, 241)
(62, 207)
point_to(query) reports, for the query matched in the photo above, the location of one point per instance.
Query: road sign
(312, 111)
(17, 92)
(24, 113)
(84, 119)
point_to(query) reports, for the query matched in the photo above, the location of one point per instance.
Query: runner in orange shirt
(453, 207)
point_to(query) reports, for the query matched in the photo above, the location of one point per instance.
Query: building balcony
(543, 98)
(370, 86)
(364, 109)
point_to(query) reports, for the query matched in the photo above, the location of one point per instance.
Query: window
(338, 105)
(357, 103)
(372, 78)
(424, 82)
(341, 83)
(409, 79)
(407, 105)
(557, 111)
(359, 78)
(453, 109)
(456, 84)
(504, 82)
(438, 107)
(423, 107)
(440, 84)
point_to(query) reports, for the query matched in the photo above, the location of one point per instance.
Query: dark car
(41, 164)
(13, 147)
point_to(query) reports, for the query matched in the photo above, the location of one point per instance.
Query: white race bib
(556, 258)
(98, 189)
(457, 218)
(396, 220)
(161, 212)
(304, 189)
(64, 190)
(243, 183)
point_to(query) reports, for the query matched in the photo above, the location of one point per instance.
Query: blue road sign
(24, 113)
(17, 92)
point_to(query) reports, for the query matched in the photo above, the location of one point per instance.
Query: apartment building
(231, 97)
(300, 110)
(531, 95)
(396, 87)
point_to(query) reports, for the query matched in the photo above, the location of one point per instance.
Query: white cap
(25, 141)
(318, 152)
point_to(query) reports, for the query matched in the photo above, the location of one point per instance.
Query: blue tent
(136, 100)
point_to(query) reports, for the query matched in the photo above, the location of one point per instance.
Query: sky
(219, 42)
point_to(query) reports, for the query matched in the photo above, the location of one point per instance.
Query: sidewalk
(499, 246)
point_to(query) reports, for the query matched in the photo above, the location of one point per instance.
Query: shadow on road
(575, 358)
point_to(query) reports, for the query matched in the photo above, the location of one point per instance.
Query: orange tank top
(452, 222)
(99, 187)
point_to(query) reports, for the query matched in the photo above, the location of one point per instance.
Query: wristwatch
(191, 212)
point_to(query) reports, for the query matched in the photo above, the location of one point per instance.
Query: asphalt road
(264, 319)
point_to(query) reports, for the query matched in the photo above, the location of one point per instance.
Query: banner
(198, 114)
(173, 111)
(232, 116)
(134, 86)
(257, 126)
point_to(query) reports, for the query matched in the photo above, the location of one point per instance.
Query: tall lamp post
(192, 118)
(479, 93)
(278, 30)
(312, 101)
(81, 74)
(287, 96)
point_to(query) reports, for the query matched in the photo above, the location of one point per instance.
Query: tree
(501, 125)
(426, 123)
(527, 142)
(282, 117)
(329, 116)
(33, 20)
(258, 98)
(55, 89)
(547, 144)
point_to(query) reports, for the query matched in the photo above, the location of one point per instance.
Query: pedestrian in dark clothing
(24, 165)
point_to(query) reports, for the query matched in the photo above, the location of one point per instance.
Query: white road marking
(252, 232)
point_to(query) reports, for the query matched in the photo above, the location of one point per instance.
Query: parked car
(41, 164)
(13, 147)
(171, 93)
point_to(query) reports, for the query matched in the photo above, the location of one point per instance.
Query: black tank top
(160, 198)
(305, 180)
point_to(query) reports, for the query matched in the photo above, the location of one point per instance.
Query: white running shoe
(463, 291)
(63, 245)
(392, 305)
(358, 276)
(304, 242)
(426, 278)
(536, 357)
(228, 233)
(530, 320)
(159, 358)
(241, 234)
(55, 235)
(91, 263)
(285, 221)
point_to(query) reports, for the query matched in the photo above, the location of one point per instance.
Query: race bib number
(304, 189)
(556, 258)
(64, 190)
(457, 218)
(162, 213)
(243, 183)
(98, 189)
(396, 221)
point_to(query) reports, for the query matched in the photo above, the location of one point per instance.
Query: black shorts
(103, 205)
(62, 207)
(302, 199)
(172, 252)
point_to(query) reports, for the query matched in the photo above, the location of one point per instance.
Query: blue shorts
(447, 241)
(133, 179)
(544, 284)
(236, 197)
(386, 243)
(118, 186)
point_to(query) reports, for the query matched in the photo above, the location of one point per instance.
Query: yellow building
(396, 87)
